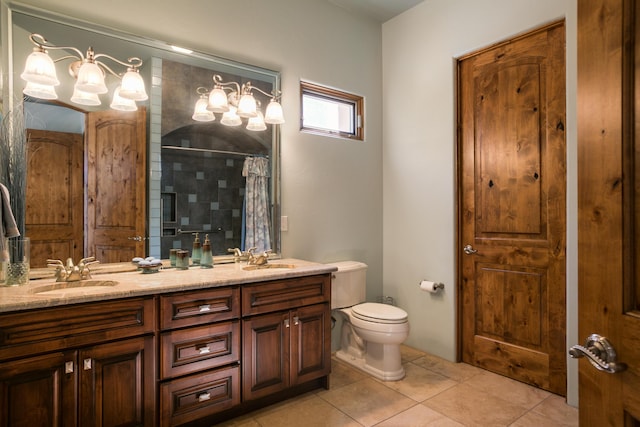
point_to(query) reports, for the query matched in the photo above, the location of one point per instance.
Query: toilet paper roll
(429, 286)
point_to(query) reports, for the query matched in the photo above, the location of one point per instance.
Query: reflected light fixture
(236, 105)
(89, 72)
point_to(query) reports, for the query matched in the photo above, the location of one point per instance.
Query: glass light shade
(132, 86)
(273, 113)
(91, 79)
(218, 102)
(40, 91)
(230, 118)
(256, 123)
(40, 69)
(200, 113)
(247, 106)
(84, 98)
(122, 104)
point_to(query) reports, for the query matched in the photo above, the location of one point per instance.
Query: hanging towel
(8, 227)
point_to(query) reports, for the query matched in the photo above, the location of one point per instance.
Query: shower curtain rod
(208, 150)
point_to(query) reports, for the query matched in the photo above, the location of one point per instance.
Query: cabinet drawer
(199, 307)
(190, 398)
(285, 294)
(37, 331)
(194, 349)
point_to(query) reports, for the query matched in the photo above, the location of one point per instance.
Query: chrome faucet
(70, 272)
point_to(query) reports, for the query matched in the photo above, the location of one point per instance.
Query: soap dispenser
(207, 257)
(196, 253)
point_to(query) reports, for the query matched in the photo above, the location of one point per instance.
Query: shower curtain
(256, 221)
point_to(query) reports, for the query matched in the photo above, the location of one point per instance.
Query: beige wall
(420, 49)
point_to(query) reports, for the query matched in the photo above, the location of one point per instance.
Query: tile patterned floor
(434, 392)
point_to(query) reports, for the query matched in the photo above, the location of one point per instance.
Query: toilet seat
(379, 313)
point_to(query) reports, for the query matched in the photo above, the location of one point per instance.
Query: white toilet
(371, 332)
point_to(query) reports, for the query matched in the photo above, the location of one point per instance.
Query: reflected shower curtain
(256, 221)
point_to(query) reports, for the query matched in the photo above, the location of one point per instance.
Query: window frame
(339, 96)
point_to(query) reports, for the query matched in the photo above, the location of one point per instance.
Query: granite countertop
(108, 283)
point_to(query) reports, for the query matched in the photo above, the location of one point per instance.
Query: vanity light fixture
(239, 103)
(89, 72)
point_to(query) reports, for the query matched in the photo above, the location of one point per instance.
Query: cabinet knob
(86, 363)
(203, 397)
(296, 320)
(68, 367)
(286, 323)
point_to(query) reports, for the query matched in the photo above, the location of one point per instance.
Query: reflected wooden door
(512, 208)
(116, 185)
(54, 219)
(609, 205)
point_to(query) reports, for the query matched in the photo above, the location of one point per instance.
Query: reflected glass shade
(218, 102)
(247, 106)
(132, 86)
(84, 98)
(230, 118)
(273, 114)
(200, 113)
(257, 123)
(40, 69)
(40, 91)
(91, 79)
(122, 104)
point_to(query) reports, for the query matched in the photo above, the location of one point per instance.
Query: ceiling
(379, 10)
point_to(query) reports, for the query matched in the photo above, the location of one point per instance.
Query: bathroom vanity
(171, 348)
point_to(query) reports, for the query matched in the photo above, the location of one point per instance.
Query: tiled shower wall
(202, 192)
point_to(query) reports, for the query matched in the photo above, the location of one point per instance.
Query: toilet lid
(379, 313)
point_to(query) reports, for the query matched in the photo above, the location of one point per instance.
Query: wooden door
(54, 218)
(38, 392)
(512, 208)
(117, 384)
(265, 354)
(609, 205)
(310, 343)
(116, 185)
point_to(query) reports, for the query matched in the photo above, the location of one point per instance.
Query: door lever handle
(600, 353)
(468, 249)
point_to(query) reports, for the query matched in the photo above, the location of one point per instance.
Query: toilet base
(361, 363)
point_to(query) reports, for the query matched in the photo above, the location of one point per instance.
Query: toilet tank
(348, 284)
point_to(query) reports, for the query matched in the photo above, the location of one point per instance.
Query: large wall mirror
(117, 201)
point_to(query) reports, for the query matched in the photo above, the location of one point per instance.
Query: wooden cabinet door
(38, 392)
(117, 384)
(265, 367)
(310, 343)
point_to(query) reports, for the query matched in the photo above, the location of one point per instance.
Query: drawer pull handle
(286, 323)
(204, 308)
(68, 367)
(296, 320)
(87, 364)
(204, 350)
(203, 397)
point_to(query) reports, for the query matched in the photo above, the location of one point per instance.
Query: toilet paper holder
(430, 286)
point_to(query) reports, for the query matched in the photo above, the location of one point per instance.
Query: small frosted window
(332, 112)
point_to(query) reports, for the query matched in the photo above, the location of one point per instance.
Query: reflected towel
(8, 227)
